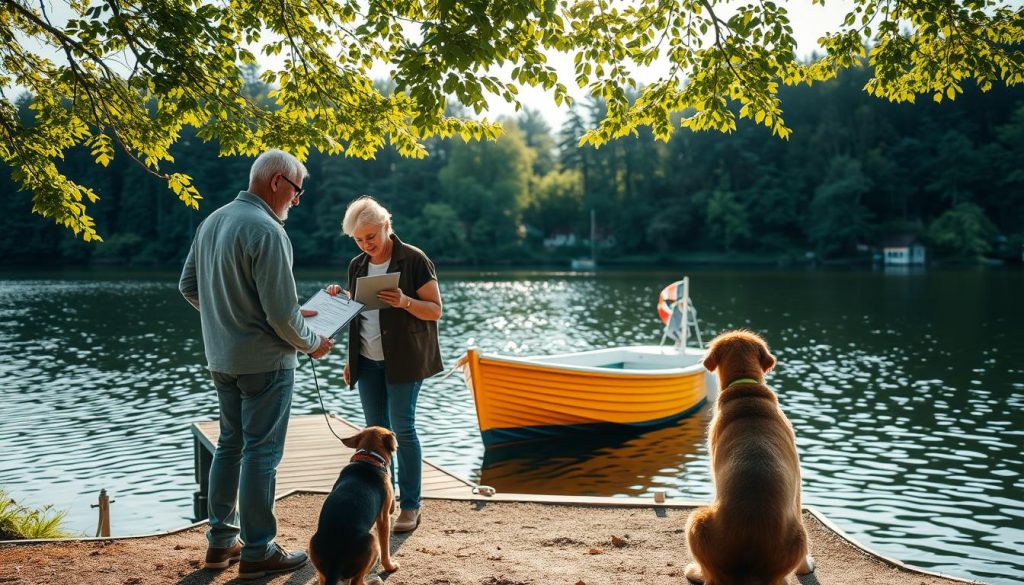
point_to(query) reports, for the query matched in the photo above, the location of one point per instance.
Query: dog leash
(483, 490)
(320, 396)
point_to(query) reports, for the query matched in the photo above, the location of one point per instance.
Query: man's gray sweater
(239, 275)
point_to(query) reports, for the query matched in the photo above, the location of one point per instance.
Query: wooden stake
(103, 527)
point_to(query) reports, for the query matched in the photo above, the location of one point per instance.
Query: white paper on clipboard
(367, 288)
(332, 313)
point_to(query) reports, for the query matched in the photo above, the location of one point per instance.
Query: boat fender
(484, 490)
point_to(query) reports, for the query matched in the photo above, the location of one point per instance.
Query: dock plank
(313, 456)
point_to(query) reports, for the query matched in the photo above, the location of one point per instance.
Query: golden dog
(753, 531)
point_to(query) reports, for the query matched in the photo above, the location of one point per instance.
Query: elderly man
(239, 275)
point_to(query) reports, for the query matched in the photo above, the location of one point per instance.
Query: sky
(809, 23)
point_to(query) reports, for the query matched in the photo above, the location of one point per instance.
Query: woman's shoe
(407, 521)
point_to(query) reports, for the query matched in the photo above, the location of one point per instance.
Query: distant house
(903, 251)
(559, 240)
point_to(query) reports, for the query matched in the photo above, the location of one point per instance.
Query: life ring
(668, 297)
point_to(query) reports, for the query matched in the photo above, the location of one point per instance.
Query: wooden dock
(313, 457)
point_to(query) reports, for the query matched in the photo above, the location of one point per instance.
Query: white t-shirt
(369, 329)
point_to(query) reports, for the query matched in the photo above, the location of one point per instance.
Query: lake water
(906, 390)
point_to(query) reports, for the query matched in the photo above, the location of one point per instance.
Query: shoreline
(506, 539)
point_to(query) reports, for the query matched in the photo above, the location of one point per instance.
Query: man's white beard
(283, 216)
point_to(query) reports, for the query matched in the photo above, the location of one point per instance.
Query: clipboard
(367, 288)
(332, 313)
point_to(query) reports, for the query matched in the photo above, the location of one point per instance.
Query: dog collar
(374, 459)
(733, 383)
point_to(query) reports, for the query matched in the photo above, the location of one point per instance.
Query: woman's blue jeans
(243, 476)
(393, 406)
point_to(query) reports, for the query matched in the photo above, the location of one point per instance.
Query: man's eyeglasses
(298, 190)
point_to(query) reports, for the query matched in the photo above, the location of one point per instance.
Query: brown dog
(753, 531)
(345, 545)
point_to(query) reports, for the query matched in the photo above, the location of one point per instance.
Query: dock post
(103, 526)
(203, 459)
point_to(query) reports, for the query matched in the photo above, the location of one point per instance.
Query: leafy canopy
(133, 73)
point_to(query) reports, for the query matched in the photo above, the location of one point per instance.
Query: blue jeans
(243, 477)
(393, 406)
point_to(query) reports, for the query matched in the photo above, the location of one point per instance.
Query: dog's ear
(392, 442)
(353, 441)
(768, 360)
(711, 359)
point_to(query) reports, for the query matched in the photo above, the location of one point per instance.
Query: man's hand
(347, 375)
(325, 346)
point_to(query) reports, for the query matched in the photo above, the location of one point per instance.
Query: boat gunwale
(533, 362)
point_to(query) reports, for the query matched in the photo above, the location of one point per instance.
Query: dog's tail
(344, 569)
(326, 564)
(699, 536)
(333, 575)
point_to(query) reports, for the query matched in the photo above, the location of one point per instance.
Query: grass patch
(18, 522)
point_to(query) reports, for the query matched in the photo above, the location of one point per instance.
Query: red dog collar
(364, 456)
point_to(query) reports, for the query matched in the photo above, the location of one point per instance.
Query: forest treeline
(856, 172)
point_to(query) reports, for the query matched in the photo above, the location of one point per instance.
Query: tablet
(367, 288)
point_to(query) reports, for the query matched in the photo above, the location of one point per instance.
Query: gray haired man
(239, 275)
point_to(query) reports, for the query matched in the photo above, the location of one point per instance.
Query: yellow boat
(522, 398)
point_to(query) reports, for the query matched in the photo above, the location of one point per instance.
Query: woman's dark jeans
(393, 406)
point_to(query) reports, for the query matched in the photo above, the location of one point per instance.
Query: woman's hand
(346, 375)
(335, 289)
(395, 298)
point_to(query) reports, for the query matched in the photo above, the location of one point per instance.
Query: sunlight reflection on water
(904, 391)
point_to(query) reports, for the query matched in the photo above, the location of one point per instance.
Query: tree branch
(302, 59)
(115, 6)
(61, 38)
(718, 38)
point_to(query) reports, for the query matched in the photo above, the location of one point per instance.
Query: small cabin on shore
(903, 251)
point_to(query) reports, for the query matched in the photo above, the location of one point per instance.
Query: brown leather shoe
(407, 521)
(281, 561)
(222, 558)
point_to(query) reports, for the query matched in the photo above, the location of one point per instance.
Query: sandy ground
(477, 543)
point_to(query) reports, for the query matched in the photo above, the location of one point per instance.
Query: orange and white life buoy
(668, 297)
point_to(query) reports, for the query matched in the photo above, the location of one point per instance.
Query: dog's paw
(391, 566)
(806, 567)
(694, 574)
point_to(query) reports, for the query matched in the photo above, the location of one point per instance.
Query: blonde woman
(391, 351)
